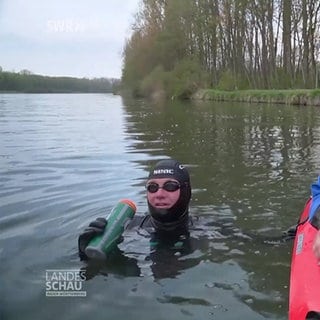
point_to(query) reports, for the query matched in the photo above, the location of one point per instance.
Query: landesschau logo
(65, 283)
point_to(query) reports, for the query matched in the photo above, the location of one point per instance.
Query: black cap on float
(171, 168)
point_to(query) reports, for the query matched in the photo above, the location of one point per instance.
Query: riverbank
(289, 97)
(26, 82)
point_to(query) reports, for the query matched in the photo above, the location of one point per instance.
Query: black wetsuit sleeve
(137, 221)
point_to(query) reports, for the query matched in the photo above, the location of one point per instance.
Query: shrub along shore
(304, 97)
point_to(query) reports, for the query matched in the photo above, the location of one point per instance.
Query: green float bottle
(119, 217)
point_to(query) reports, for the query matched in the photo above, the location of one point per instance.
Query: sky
(78, 38)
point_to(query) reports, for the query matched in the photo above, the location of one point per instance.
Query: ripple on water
(67, 159)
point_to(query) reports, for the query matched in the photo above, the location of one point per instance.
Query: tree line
(178, 46)
(25, 81)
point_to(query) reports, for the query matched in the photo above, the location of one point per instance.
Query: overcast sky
(80, 38)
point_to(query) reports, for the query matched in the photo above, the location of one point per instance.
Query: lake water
(67, 159)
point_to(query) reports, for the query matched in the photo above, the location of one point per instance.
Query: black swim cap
(170, 168)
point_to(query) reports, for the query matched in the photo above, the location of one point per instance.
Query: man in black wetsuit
(167, 227)
(168, 195)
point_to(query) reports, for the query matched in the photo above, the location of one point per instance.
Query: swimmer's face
(163, 193)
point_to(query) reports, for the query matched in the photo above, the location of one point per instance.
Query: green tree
(238, 43)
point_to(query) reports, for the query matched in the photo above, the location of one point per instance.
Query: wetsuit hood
(177, 215)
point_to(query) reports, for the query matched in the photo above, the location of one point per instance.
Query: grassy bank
(289, 97)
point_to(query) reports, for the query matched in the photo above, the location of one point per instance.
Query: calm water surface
(67, 159)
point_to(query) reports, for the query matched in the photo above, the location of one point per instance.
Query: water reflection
(254, 163)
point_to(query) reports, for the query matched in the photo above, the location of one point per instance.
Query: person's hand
(316, 245)
(95, 228)
(290, 233)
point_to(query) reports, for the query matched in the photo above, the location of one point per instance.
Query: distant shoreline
(26, 82)
(55, 92)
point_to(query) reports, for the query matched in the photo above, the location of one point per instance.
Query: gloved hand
(95, 228)
(290, 233)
